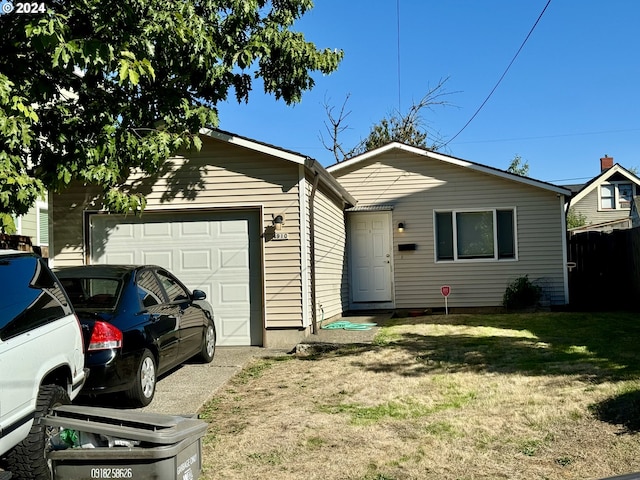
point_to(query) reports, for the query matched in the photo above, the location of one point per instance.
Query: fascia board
(451, 160)
(255, 146)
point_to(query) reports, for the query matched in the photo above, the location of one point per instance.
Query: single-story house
(280, 244)
(606, 202)
(425, 220)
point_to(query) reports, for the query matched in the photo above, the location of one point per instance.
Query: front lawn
(519, 396)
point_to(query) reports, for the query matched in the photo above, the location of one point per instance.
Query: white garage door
(217, 253)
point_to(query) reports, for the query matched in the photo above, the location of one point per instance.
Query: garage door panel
(217, 253)
(196, 261)
(234, 328)
(195, 229)
(234, 227)
(234, 294)
(120, 258)
(233, 260)
(158, 258)
(156, 229)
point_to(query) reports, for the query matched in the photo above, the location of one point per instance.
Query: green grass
(447, 397)
(601, 345)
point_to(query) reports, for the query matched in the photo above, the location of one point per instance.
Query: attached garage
(260, 229)
(216, 252)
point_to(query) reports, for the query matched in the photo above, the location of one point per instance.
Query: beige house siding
(330, 255)
(219, 176)
(416, 186)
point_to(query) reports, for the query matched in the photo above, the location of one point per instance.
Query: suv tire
(28, 459)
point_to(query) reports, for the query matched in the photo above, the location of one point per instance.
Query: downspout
(312, 253)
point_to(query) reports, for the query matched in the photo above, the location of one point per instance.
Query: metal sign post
(445, 290)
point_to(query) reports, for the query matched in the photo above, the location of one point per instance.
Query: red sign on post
(446, 290)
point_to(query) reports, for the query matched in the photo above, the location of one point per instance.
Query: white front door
(370, 256)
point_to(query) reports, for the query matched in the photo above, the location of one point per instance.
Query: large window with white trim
(616, 195)
(475, 234)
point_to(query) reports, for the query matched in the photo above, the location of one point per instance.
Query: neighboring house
(425, 220)
(606, 201)
(35, 225)
(239, 219)
(263, 231)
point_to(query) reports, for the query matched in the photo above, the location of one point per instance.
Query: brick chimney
(606, 163)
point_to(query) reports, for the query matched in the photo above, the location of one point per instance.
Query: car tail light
(105, 336)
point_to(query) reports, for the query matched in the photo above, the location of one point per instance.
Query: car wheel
(28, 459)
(208, 343)
(144, 387)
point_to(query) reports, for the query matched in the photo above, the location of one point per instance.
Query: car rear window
(31, 295)
(92, 293)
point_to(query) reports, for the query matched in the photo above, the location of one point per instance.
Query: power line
(502, 77)
(398, 28)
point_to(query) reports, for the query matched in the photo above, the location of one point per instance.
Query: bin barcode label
(111, 473)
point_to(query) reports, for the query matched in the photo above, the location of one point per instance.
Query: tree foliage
(92, 89)
(575, 219)
(519, 167)
(408, 128)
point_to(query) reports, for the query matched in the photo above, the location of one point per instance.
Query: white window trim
(495, 236)
(40, 206)
(616, 195)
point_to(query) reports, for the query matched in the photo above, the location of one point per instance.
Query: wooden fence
(607, 271)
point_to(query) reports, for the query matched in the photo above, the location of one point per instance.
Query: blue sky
(571, 96)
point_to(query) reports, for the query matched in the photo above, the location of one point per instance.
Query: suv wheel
(144, 387)
(28, 459)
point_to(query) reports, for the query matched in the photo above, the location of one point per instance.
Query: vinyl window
(616, 195)
(475, 235)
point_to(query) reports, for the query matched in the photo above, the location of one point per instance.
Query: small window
(43, 226)
(625, 195)
(478, 234)
(616, 195)
(607, 196)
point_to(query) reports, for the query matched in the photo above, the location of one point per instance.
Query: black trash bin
(126, 444)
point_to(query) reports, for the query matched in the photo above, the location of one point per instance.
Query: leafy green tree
(575, 219)
(519, 167)
(91, 89)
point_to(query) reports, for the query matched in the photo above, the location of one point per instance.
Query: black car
(138, 322)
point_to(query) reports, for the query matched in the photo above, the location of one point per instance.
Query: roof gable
(353, 162)
(616, 170)
(288, 155)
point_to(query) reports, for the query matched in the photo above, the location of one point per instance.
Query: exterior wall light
(278, 221)
(401, 227)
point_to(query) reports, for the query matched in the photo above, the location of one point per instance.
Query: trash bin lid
(143, 426)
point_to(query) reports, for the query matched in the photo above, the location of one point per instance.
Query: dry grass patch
(456, 397)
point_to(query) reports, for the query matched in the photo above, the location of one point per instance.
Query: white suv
(41, 359)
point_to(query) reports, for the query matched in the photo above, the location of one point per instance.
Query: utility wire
(398, 19)
(502, 77)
